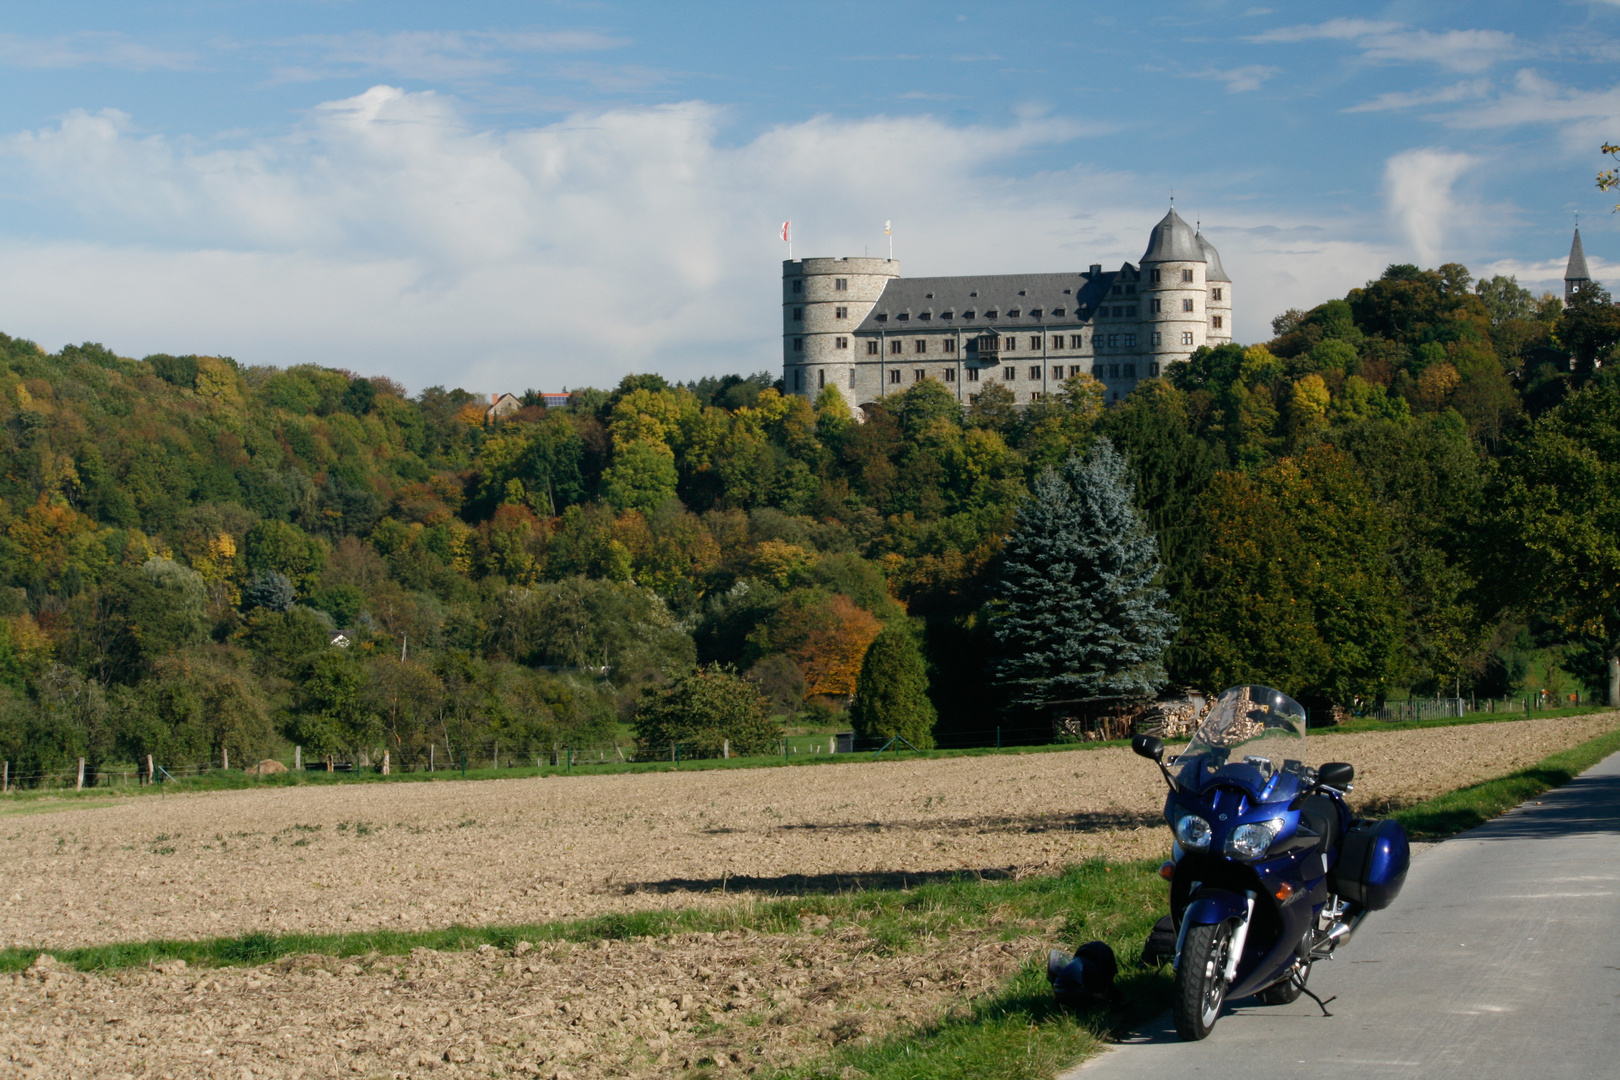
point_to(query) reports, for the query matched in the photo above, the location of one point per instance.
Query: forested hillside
(1397, 492)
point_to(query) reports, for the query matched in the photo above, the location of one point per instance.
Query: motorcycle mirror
(1148, 746)
(1336, 774)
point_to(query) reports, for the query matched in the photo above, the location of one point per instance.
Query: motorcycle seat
(1320, 816)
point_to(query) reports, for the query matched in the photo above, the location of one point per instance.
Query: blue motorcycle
(1269, 870)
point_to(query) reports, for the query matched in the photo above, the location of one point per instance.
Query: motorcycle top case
(1372, 864)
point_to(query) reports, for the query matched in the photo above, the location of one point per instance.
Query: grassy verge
(224, 780)
(1458, 811)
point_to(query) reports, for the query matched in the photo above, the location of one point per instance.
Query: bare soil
(735, 1002)
(419, 855)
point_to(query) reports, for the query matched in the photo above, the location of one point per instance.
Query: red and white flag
(785, 225)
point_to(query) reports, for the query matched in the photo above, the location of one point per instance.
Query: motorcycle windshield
(1248, 736)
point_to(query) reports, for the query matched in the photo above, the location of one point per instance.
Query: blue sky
(511, 195)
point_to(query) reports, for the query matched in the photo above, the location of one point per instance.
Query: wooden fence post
(431, 748)
(298, 759)
(151, 770)
(725, 748)
(80, 785)
(672, 750)
(5, 784)
(385, 763)
(224, 758)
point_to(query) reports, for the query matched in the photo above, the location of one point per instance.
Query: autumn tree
(703, 709)
(891, 694)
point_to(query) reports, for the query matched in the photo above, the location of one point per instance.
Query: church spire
(1576, 274)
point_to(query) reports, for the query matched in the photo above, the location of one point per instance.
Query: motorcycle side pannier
(1372, 864)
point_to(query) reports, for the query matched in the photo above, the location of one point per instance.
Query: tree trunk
(1614, 678)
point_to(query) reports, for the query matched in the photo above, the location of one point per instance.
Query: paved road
(1501, 959)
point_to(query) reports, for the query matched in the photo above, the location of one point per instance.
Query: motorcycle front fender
(1213, 906)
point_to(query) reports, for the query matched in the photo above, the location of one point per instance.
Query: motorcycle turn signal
(1168, 871)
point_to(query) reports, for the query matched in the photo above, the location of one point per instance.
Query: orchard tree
(1078, 611)
(891, 694)
(701, 710)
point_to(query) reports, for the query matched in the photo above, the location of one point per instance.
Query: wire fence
(1458, 707)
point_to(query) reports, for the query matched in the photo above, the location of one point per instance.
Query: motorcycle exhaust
(1336, 935)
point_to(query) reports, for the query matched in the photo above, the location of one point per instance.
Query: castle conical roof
(1215, 271)
(1173, 240)
(1577, 261)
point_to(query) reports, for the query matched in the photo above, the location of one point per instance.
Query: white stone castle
(858, 325)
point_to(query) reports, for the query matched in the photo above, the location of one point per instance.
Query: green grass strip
(894, 920)
(1463, 809)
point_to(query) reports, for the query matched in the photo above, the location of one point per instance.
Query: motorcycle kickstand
(1319, 1002)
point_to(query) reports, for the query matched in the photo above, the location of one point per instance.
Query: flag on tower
(785, 225)
(886, 228)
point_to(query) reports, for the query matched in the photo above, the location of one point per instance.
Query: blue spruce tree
(1077, 611)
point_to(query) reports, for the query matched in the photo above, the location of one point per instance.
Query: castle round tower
(1219, 302)
(823, 301)
(1174, 270)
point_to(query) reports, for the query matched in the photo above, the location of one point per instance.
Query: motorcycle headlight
(1249, 841)
(1193, 832)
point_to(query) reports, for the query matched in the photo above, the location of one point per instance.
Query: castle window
(1077, 341)
(1130, 312)
(1060, 312)
(1012, 313)
(968, 314)
(798, 379)
(1130, 341)
(1153, 369)
(821, 378)
(840, 312)
(1158, 338)
(1130, 371)
(840, 342)
(949, 374)
(883, 318)
(1155, 277)
(1216, 292)
(1035, 395)
(1009, 344)
(1217, 321)
(1035, 313)
(1186, 337)
(798, 314)
(871, 347)
(896, 345)
(947, 314)
(904, 316)
(894, 376)
(852, 378)
(950, 344)
(1009, 373)
(925, 316)
(1075, 369)
(1130, 290)
(1113, 371)
(973, 374)
(1186, 275)
(1113, 341)
(798, 344)
(1057, 372)
(1118, 290)
(1035, 343)
(798, 286)
(922, 345)
(919, 375)
(1156, 306)
(841, 284)
(1187, 304)
(990, 314)
(1035, 374)
(1023, 292)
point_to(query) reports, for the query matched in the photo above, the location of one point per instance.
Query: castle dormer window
(928, 296)
(973, 294)
(990, 314)
(1118, 290)
(1066, 292)
(968, 314)
(1130, 290)
(1060, 312)
(1012, 313)
(883, 318)
(1022, 292)
(947, 314)
(904, 316)
(1034, 313)
(925, 316)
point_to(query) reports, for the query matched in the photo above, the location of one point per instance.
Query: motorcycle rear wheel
(1201, 980)
(1287, 991)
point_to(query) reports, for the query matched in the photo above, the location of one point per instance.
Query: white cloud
(1468, 90)
(1585, 118)
(1239, 79)
(91, 50)
(1455, 50)
(386, 234)
(433, 54)
(1418, 193)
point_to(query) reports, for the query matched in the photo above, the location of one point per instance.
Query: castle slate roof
(984, 300)
(1214, 272)
(1576, 270)
(1173, 241)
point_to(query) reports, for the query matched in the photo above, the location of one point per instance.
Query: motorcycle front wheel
(1201, 979)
